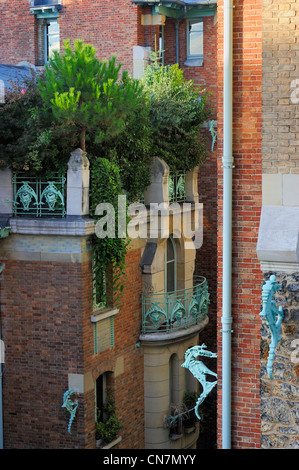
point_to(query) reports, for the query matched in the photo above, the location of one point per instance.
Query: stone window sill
(102, 314)
(193, 63)
(111, 444)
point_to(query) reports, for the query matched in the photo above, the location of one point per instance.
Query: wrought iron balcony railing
(34, 197)
(169, 311)
(177, 187)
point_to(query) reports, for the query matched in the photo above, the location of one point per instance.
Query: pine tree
(88, 94)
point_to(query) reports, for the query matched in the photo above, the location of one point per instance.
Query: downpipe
(227, 222)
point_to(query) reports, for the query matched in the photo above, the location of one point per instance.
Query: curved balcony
(170, 311)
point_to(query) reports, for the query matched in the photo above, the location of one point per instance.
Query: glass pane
(170, 250)
(196, 38)
(53, 43)
(170, 277)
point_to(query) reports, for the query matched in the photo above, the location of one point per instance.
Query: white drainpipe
(227, 222)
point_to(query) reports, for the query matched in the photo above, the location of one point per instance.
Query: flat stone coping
(54, 226)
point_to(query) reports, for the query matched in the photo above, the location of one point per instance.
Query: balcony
(166, 312)
(35, 197)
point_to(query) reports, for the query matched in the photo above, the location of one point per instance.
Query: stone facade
(277, 246)
(280, 396)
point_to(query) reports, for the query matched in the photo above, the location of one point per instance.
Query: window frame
(167, 262)
(46, 36)
(189, 55)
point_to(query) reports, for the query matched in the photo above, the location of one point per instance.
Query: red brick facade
(32, 330)
(48, 334)
(247, 200)
(112, 27)
(18, 33)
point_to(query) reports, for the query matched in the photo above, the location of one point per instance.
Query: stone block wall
(280, 396)
(280, 101)
(279, 232)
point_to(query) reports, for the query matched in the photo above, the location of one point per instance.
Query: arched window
(102, 386)
(170, 265)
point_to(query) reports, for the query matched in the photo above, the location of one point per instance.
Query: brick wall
(111, 26)
(46, 310)
(41, 318)
(128, 381)
(246, 277)
(17, 32)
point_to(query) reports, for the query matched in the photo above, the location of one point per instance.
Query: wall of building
(41, 318)
(124, 360)
(279, 233)
(112, 27)
(18, 35)
(47, 330)
(279, 396)
(247, 199)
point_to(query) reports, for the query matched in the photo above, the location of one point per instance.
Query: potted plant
(190, 418)
(107, 424)
(174, 422)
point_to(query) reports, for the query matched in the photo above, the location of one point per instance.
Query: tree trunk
(82, 139)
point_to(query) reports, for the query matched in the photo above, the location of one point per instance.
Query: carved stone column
(78, 184)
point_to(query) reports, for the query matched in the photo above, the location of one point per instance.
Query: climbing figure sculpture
(70, 406)
(200, 371)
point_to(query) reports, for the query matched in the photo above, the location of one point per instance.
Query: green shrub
(177, 110)
(108, 425)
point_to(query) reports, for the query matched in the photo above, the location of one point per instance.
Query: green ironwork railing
(34, 197)
(177, 187)
(169, 311)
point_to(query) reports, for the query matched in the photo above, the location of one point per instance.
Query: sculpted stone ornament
(273, 318)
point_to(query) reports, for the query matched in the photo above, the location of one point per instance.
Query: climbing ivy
(109, 251)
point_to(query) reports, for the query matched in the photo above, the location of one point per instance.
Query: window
(103, 384)
(194, 42)
(99, 288)
(161, 44)
(170, 266)
(45, 2)
(52, 41)
(174, 388)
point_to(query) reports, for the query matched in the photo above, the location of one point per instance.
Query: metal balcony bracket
(70, 406)
(273, 317)
(200, 371)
